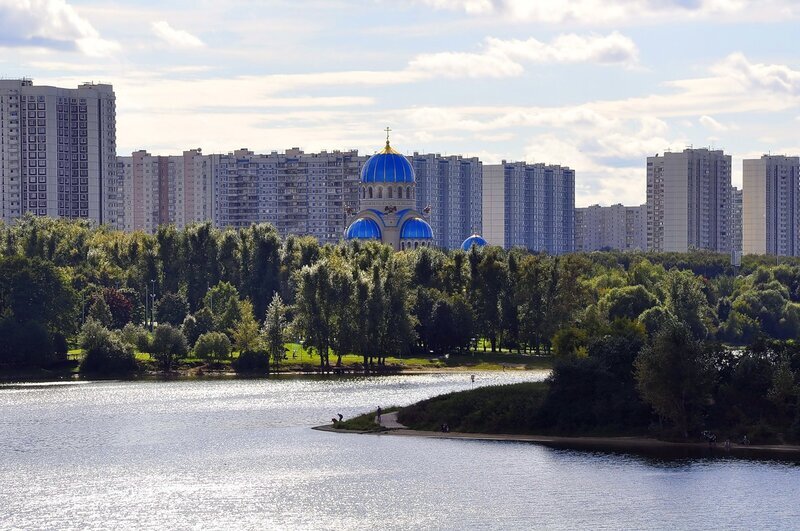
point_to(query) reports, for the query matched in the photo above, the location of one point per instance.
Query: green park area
(676, 343)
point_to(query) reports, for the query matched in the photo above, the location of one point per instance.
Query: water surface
(226, 454)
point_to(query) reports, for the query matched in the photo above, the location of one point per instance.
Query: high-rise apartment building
(689, 201)
(529, 205)
(771, 205)
(166, 190)
(297, 192)
(736, 219)
(58, 152)
(452, 187)
(616, 227)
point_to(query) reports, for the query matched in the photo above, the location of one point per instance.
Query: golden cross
(387, 134)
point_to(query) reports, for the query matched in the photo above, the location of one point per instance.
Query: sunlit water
(231, 454)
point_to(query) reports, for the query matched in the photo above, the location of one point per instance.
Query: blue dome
(475, 240)
(388, 166)
(363, 229)
(416, 229)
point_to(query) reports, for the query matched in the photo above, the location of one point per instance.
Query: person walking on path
(378, 417)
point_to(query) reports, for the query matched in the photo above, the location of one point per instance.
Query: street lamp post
(152, 302)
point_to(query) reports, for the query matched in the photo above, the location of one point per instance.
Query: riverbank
(634, 445)
(351, 366)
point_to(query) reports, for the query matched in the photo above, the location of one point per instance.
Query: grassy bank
(364, 423)
(298, 359)
(494, 409)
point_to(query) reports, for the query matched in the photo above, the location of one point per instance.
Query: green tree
(172, 308)
(674, 376)
(136, 336)
(35, 290)
(100, 312)
(223, 302)
(105, 353)
(628, 302)
(245, 332)
(168, 346)
(570, 342)
(487, 289)
(213, 346)
(274, 331)
(687, 302)
(261, 263)
(313, 309)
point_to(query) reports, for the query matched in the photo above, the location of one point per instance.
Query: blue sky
(597, 85)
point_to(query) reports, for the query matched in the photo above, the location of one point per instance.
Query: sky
(596, 85)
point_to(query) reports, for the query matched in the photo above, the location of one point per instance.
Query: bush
(26, 344)
(60, 346)
(253, 362)
(168, 346)
(106, 354)
(136, 336)
(213, 346)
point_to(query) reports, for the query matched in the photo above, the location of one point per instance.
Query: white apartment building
(451, 186)
(771, 205)
(530, 206)
(689, 201)
(737, 206)
(58, 152)
(616, 227)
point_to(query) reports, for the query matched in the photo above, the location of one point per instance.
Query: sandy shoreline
(635, 445)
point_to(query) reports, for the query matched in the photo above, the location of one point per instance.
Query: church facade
(388, 204)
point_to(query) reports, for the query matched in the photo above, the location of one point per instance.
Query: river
(240, 454)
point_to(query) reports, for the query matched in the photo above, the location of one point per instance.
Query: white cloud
(771, 77)
(594, 12)
(450, 64)
(51, 24)
(614, 48)
(504, 58)
(711, 124)
(175, 37)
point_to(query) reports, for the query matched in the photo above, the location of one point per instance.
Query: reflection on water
(239, 454)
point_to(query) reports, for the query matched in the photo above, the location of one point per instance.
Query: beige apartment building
(615, 227)
(771, 205)
(689, 201)
(166, 190)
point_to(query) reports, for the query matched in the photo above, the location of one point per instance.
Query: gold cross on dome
(388, 130)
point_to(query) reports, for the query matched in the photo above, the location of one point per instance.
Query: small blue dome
(475, 240)
(363, 229)
(388, 166)
(416, 229)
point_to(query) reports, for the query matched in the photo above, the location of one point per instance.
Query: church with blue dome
(388, 204)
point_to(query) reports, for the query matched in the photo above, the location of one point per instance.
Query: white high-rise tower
(58, 152)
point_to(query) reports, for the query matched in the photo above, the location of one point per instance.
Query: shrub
(168, 346)
(106, 354)
(253, 362)
(136, 336)
(213, 346)
(26, 344)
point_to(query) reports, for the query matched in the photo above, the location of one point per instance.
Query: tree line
(356, 298)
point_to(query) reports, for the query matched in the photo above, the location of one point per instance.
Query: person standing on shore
(378, 416)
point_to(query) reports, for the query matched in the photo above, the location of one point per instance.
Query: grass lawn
(297, 356)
